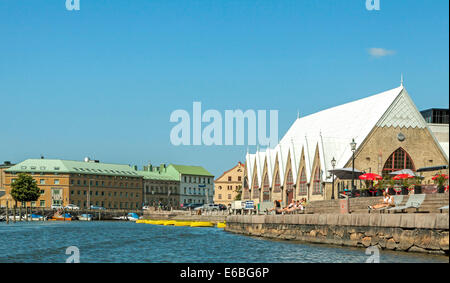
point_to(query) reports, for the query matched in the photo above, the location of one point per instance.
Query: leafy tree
(24, 189)
(239, 193)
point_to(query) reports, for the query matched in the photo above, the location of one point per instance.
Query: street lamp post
(333, 164)
(353, 147)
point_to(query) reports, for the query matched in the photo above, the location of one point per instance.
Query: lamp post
(153, 197)
(333, 164)
(353, 147)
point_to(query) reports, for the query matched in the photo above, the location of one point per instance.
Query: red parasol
(403, 176)
(370, 177)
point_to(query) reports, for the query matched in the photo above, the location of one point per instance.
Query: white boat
(130, 217)
(36, 217)
(85, 217)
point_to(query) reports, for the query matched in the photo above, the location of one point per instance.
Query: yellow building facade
(227, 186)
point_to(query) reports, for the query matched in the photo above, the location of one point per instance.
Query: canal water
(131, 242)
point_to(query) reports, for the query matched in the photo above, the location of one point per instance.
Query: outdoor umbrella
(403, 176)
(370, 177)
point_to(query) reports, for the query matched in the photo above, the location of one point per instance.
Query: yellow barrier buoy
(221, 225)
(202, 224)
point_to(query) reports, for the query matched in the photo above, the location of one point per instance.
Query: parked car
(222, 207)
(208, 206)
(72, 207)
(56, 206)
(145, 207)
(97, 207)
(191, 206)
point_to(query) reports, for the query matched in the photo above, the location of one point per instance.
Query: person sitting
(289, 207)
(388, 201)
(300, 206)
(276, 208)
(293, 206)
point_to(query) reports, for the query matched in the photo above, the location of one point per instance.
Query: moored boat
(58, 217)
(85, 217)
(130, 217)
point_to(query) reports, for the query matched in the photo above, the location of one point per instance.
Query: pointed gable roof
(330, 132)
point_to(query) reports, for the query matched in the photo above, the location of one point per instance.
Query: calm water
(131, 242)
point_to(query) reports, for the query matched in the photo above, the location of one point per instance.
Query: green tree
(24, 189)
(239, 193)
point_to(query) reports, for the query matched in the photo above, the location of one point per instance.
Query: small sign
(344, 206)
(249, 204)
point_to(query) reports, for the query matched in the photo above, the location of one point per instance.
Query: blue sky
(103, 81)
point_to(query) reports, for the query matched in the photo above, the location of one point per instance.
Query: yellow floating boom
(221, 225)
(202, 224)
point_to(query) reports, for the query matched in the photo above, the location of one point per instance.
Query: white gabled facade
(331, 131)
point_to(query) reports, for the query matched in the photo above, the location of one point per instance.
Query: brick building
(87, 183)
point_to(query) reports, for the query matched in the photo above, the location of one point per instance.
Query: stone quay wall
(184, 216)
(424, 233)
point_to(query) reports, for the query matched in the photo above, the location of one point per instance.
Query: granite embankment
(214, 217)
(412, 232)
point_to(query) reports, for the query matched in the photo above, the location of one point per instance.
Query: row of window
(103, 184)
(102, 193)
(200, 180)
(303, 186)
(161, 189)
(195, 191)
(220, 196)
(230, 188)
(239, 178)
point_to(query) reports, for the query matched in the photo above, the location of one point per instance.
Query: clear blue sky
(103, 81)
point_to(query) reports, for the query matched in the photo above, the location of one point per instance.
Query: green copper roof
(191, 170)
(69, 166)
(164, 176)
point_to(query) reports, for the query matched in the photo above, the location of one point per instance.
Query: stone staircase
(431, 204)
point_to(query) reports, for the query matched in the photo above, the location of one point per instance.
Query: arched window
(289, 182)
(255, 189)
(246, 192)
(277, 185)
(317, 188)
(266, 189)
(398, 160)
(303, 187)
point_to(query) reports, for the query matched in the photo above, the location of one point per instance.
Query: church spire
(401, 80)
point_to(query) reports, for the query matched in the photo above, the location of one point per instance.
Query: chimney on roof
(42, 156)
(86, 159)
(96, 161)
(135, 167)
